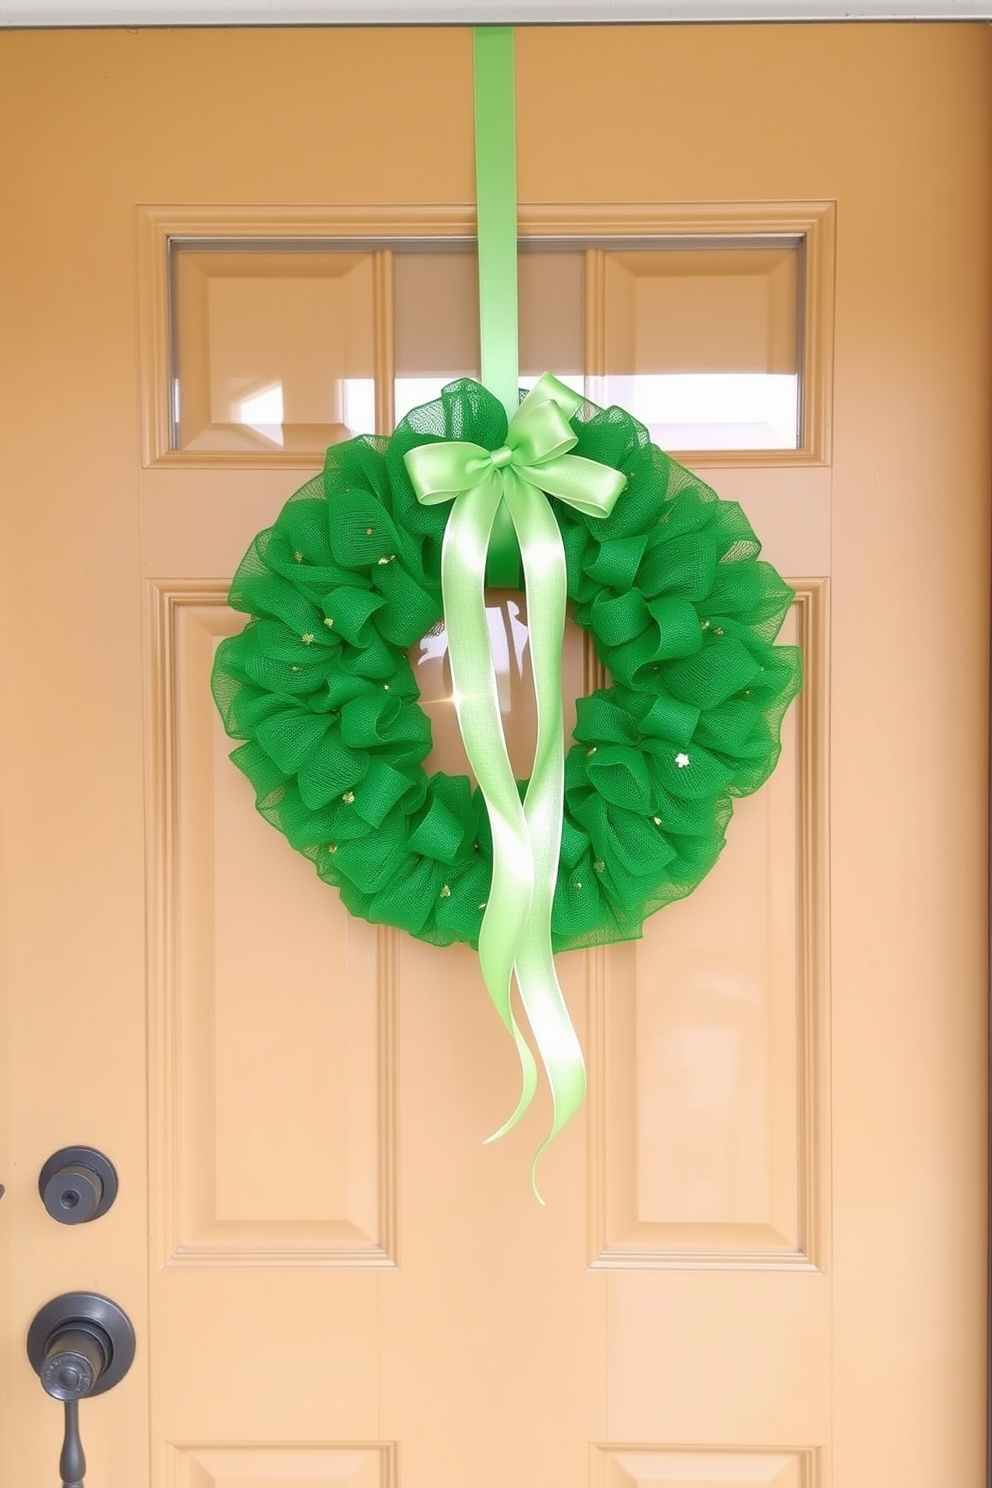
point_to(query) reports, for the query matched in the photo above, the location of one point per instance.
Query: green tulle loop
(681, 610)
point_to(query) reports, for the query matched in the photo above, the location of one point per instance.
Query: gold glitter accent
(329, 622)
(445, 891)
(348, 797)
(307, 639)
(682, 760)
(747, 692)
(388, 559)
(577, 884)
(599, 865)
(296, 669)
(385, 686)
(704, 625)
(656, 820)
(332, 847)
(368, 532)
(718, 630)
(298, 557)
(484, 903)
(590, 751)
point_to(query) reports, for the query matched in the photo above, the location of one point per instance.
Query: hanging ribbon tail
(540, 992)
(463, 559)
(516, 927)
(557, 1041)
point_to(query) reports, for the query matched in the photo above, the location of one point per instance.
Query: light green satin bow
(534, 463)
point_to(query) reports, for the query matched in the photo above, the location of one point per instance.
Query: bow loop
(440, 472)
(539, 432)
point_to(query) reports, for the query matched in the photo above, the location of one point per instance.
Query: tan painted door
(762, 1260)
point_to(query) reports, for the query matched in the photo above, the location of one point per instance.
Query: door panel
(763, 1255)
(273, 1142)
(709, 1098)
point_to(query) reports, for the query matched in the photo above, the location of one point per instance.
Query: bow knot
(501, 456)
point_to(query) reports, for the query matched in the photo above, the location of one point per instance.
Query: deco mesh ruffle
(683, 615)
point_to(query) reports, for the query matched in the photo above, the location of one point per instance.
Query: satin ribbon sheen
(533, 464)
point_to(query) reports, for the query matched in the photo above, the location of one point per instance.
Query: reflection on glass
(358, 404)
(509, 642)
(702, 344)
(272, 349)
(575, 380)
(436, 308)
(712, 410)
(263, 412)
(278, 349)
(411, 392)
(437, 320)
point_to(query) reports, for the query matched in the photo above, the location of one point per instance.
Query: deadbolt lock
(77, 1184)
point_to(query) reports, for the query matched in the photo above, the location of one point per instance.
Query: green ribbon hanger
(496, 213)
(500, 517)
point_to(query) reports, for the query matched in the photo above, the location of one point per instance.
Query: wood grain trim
(165, 601)
(813, 604)
(594, 323)
(162, 890)
(383, 340)
(812, 1112)
(818, 343)
(154, 339)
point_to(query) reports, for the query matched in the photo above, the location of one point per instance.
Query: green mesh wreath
(683, 615)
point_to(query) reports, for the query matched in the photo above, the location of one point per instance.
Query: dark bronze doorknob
(79, 1344)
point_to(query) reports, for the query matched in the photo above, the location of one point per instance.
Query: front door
(762, 1259)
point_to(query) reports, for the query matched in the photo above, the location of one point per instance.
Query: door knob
(77, 1184)
(79, 1344)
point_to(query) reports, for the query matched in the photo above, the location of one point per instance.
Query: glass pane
(703, 344)
(551, 316)
(271, 350)
(437, 320)
(274, 345)
(437, 323)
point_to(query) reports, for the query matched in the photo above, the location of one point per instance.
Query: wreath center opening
(509, 640)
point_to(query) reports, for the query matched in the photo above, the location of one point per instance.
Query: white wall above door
(469, 12)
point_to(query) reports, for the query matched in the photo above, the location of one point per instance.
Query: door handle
(80, 1344)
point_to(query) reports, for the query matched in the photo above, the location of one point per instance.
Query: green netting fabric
(682, 612)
